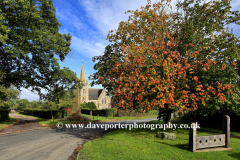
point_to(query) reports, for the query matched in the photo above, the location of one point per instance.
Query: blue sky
(88, 22)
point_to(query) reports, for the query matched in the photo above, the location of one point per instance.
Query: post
(52, 116)
(91, 114)
(106, 115)
(226, 130)
(75, 105)
(97, 116)
(113, 114)
(192, 137)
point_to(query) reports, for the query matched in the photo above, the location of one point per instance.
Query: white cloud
(27, 94)
(30, 96)
(106, 14)
(64, 31)
(87, 48)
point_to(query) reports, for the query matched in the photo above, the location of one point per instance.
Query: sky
(88, 22)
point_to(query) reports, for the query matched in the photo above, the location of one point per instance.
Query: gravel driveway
(25, 124)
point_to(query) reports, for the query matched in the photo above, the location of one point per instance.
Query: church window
(104, 100)
(83, 91)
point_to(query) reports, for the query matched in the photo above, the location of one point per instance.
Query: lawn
(11, 121)
(143, 144)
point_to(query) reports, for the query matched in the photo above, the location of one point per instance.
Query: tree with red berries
(161, 68)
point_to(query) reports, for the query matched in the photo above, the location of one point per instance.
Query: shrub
(110, 111)
(39, 107)
(89, 105)
(4, 114)
(82, 105)
(44, 113)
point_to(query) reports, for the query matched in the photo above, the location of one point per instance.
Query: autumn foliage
(153, 73)
(67, 109)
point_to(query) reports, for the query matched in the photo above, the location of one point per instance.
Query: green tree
(111, 56)
(65, 100)
(29, 40)
(39, 103)
(11, 95)
(23, 104)
(65, 82)
(33, 104)
(49, 105)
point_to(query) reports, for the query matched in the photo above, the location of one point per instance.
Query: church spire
(82, 75)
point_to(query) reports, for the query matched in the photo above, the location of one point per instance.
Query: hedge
(4, 114)
(43, 113)
(213, 121)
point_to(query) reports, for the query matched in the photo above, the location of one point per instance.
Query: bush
(4, 115)
(128, 113)
(110, 111)
(186, 117)
(44, 113)
(89, 105)
(213, 121)
(82, 105)
(39, 107)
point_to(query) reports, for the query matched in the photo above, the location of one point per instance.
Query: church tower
(83, 93)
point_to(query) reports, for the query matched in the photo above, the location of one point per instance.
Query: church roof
(82, 75)
(94, 93)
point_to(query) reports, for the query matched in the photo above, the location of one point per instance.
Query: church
(97, 96)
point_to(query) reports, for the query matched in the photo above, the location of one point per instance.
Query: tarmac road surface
(49, 144)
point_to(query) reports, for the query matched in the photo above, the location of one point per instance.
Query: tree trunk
(168, 116)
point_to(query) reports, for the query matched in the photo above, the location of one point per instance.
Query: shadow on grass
(235, 155)
(180, 146)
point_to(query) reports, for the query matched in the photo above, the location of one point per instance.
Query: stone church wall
(103, 106)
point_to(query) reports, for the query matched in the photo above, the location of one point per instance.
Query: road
(49, 144)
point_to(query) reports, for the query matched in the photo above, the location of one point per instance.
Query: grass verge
(11, 121)
(102, 118)
(50, 122)
(143, 144)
